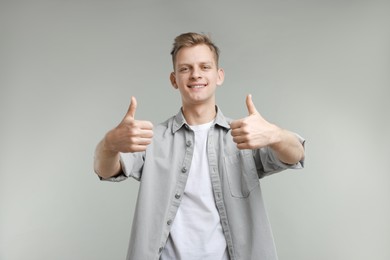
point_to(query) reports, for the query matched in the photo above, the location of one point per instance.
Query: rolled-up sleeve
(131, 164)
(267, 162)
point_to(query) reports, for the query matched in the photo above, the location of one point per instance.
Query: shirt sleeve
(131, 164)
(267, 162)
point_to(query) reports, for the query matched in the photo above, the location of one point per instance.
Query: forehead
(195, 54)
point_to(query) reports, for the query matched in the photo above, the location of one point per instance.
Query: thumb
(131, 111)
(249, 104)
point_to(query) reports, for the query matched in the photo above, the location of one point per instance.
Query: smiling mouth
(197, 86)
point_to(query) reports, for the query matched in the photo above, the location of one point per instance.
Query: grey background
(68, 69)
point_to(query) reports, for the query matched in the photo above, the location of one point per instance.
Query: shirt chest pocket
(241, 173)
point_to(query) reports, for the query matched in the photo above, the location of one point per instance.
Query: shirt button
(188, 143)
(177, 196)
(160, 250)
(169, 222)
(184, 169)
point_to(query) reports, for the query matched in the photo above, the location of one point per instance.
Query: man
(199, 195)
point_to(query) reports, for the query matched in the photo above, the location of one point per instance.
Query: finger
(133, 106)
(239, 139)
(236, 124)
(146, 125)
(249, 104)
(142, 141)
(236, 132)
(243, 146)
(137, 148)
(145, 133)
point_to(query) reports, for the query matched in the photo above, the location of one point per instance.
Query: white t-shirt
(196, 232)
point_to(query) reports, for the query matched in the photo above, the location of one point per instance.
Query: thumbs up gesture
(253, 131)
(130, 135)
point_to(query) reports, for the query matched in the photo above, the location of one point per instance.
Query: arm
(129, 136)
(287, 147)
(106, 162)
(254, 132)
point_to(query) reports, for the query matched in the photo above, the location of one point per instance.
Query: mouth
(197, 86)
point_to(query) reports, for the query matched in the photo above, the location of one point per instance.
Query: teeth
(197, 86)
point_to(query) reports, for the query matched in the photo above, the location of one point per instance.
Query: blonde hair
(192, 39)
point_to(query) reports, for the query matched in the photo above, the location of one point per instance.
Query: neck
(197, 115)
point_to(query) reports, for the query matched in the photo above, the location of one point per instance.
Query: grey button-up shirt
(163, 171)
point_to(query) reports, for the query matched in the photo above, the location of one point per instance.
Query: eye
(183, 69)
(206, 67)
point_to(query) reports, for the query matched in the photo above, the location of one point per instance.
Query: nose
(196, 73)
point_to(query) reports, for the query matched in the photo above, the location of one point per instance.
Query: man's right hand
(130, 135)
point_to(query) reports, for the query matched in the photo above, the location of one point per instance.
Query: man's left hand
(253, 131)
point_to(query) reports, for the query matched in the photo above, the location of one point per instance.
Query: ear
(172, 78)
(221, 76)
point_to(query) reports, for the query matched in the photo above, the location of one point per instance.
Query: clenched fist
(253, 131)
(130, 135)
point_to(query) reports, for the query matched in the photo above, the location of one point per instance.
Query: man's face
(196, 75)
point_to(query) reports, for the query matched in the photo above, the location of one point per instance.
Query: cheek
(216, 79)
(180, 79)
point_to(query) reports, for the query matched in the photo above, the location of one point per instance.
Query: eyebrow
(201, 63)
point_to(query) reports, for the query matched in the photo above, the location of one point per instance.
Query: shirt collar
(179, 120)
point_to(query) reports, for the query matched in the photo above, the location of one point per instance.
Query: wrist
(276, 138)
(107, 146)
